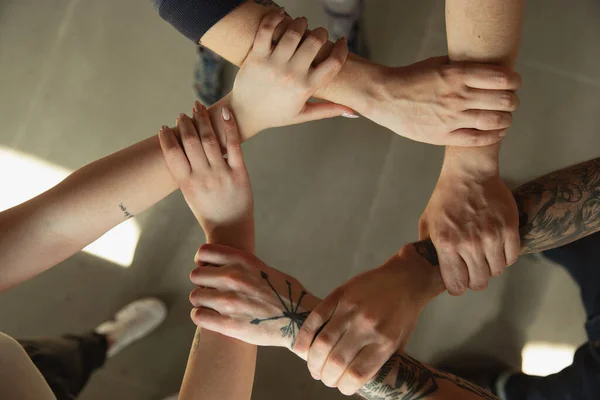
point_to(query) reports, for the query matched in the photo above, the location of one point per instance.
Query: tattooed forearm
(554, 209)
(404, 378)
(560, 207)
(127, 213)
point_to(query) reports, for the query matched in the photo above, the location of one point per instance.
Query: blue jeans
(581, 380)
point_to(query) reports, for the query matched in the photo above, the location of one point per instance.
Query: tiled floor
(81, 78)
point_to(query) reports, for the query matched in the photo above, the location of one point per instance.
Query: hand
(458, 104)
(274, 84)
(216, 189)
(366, 320)
(472, 220)
(241, 297)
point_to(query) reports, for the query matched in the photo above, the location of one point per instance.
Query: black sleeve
(194, 17)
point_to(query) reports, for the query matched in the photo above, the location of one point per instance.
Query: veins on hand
(127, 213)
(296, 319)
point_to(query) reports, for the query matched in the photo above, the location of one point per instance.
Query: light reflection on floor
(25, 176)
(543, 359)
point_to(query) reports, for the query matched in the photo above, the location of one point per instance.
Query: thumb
(314, 111)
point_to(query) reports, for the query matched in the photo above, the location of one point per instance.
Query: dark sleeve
(194, 17)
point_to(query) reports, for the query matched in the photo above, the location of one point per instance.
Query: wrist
(472, 162)
(358, 85)
(425, 279)
(239, 235)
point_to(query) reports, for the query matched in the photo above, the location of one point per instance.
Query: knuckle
(293, 34)
(338, 361)
(509, 101)
(208, 138)
(452, 72)
(495, 272)
(478, 285)
(315, 40)
(501, 78)
(457, 287)
(324, 340)
(358, 374)
(446, 241)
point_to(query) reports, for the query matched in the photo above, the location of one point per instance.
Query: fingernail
(196, 106)
(162, 128)
(225, 113)
(348, 115)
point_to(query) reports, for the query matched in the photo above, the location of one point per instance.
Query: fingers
(235, 159)
(211, 320)
(308, 50)
(225, 278)
(479, 269)
(362, 368)
(484, 120)
(494, 253)
(323, 345)
(454, 271)
(473, 138)
(224, 302)
(175, 158)
(340, 358)
(191, 143)
(263, 40)
(315, 111)
(512, 246)
(330, 67)
(218, 254)
(498, 100)
(315, 321)
(288, 44)
(489, 77)
(208, 138)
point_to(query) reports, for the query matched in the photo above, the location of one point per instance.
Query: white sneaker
(172, 397)
(133, 322)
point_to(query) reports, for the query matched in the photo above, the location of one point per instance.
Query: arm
(554, 210)
(219, 194)
(429, 101)
(474, 244)
(270, 308)
(53, 226)
(95, 198)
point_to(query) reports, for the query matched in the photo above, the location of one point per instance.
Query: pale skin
(432, 101)
(471, 218)
(61, 221)
(260, 305)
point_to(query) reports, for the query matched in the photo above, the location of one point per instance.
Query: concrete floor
(83, 78)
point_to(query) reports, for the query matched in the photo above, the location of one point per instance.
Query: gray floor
(83, 78)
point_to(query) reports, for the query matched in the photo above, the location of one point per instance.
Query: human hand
(472, 220)
(274, 83)
(442, 103)
(241, 297)
(366, 320)
(216, 189)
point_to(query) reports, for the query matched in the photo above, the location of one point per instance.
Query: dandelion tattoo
(296, 318)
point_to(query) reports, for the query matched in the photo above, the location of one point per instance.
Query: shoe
(132, 322)
(208, 77)
(348, 25)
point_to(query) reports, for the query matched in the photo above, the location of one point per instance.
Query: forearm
(485, 31)
(219, 367)
(51, 227)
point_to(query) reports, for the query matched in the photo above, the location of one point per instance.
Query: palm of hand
(219, 200)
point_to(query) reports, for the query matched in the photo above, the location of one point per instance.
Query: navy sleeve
(194, 17)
